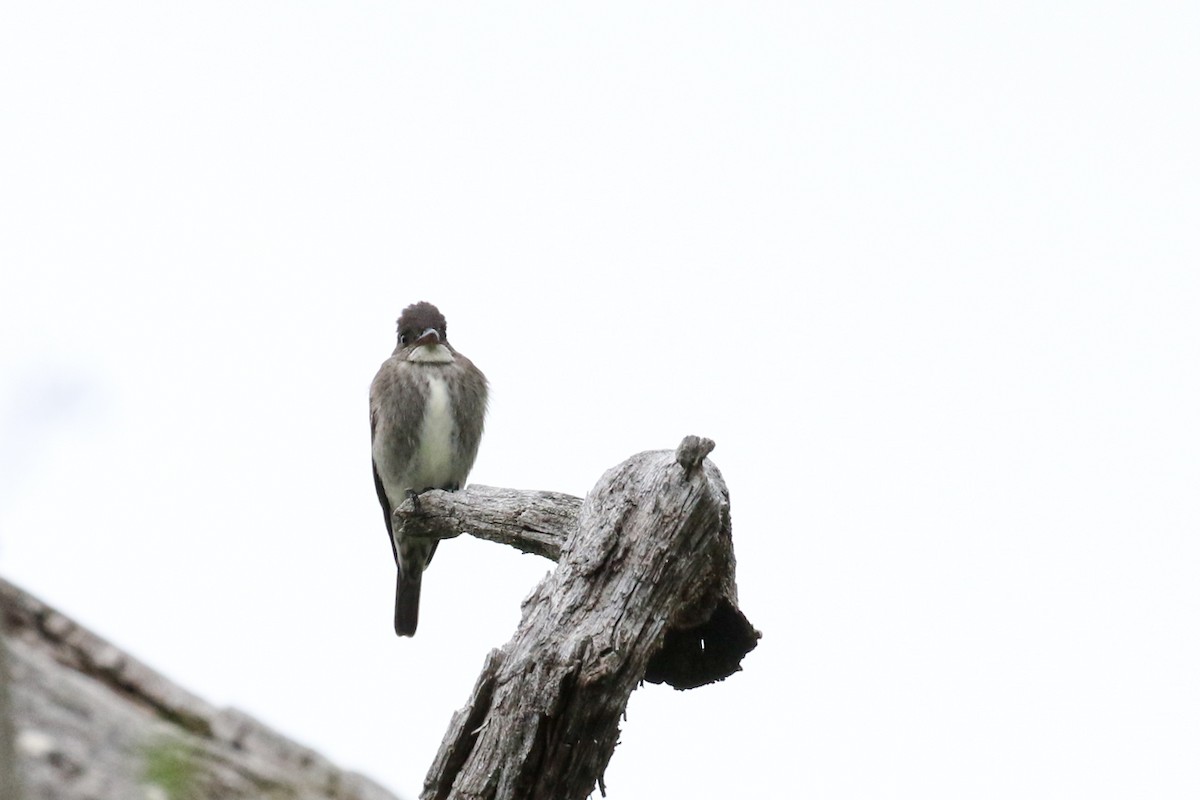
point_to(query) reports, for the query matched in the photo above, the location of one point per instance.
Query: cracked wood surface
(644, 590)
(94, 723)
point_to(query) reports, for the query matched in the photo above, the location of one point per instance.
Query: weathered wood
(10, 788)
(644, 590)
(94, 723)
(533, 522)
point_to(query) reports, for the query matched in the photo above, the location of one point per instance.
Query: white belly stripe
(437, 436)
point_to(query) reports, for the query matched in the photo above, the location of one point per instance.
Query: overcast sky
(927, 273)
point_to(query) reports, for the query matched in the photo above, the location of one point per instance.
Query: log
(644, 590)
(94, 723)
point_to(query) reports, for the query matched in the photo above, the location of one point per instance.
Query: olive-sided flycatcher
(427, 407)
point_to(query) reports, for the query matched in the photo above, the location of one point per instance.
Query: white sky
(927, 273)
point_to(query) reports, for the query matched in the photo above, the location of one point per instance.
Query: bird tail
(408, 602)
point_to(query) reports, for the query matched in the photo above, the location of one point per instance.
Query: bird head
(421, 332)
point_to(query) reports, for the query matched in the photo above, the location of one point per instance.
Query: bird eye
(404, 338)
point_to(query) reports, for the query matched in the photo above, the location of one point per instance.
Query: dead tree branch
(532, 522)
(644, 590)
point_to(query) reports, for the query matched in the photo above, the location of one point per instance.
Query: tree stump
(644, 590)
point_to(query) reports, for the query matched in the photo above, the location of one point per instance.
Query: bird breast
(435, 457)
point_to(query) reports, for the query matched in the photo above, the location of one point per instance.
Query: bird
(428, 403)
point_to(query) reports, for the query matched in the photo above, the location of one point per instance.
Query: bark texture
(532, 522)
(644, 590)
(93, 723)
(10, 786)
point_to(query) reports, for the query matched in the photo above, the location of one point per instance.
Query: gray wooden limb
(644, 590)
(532, 522)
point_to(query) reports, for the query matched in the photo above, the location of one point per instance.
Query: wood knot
(691, 452)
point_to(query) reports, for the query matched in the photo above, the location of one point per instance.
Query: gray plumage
(427, 407)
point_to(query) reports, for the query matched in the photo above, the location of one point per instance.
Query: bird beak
(429, 337)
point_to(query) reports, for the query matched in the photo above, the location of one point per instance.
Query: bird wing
(472, 388)
(383, 498)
